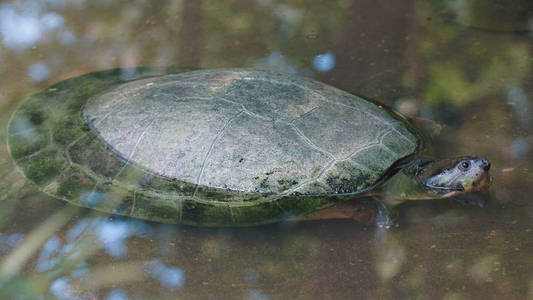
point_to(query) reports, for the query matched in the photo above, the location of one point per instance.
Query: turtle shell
(222, 147)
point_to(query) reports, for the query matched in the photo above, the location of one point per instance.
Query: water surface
(465, 64)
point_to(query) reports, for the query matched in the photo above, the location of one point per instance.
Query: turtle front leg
(337, 211)
(367, 211)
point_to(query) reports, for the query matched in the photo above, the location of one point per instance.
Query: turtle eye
(464, 165)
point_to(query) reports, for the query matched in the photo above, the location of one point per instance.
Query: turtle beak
(484, 178)
(485, 163)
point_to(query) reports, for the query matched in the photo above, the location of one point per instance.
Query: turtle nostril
(485, 163)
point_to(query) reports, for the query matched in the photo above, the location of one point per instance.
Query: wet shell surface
(222, 147)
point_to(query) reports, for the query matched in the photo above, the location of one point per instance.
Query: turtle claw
(371, 212)
(384, 220)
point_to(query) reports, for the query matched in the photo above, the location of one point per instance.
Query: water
(466, 64)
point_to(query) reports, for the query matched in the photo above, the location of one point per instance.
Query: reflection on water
(38, 72)
(24, 24)
(168, 276)
(517, 98)
(324, 62)
(466, 64)
(10, 241)
(117, 294)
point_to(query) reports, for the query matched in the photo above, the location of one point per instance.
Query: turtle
(223, 147)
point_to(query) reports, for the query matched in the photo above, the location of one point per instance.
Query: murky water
(465, 64)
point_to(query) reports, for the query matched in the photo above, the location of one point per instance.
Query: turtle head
(449, 177)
